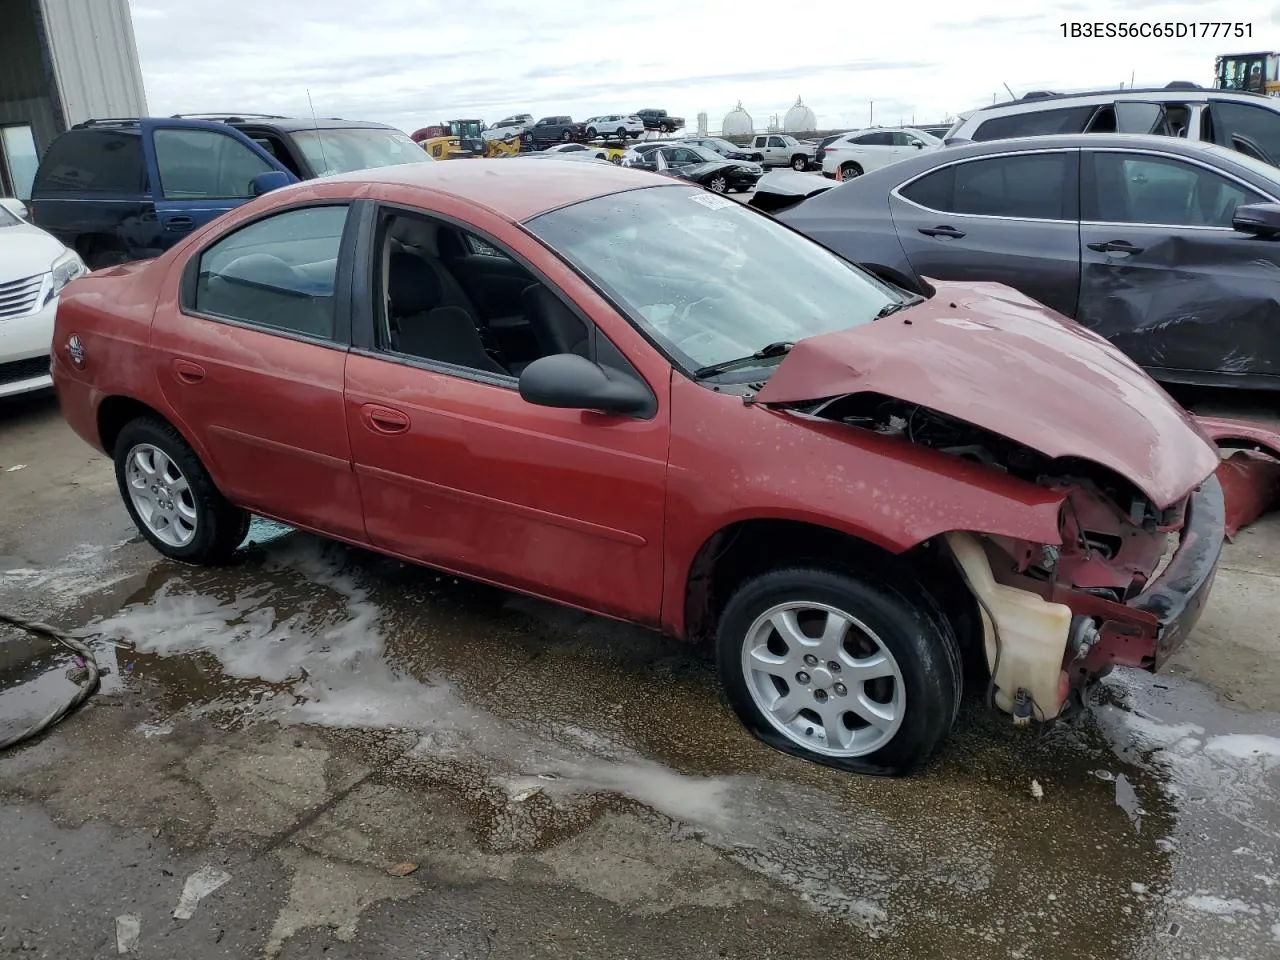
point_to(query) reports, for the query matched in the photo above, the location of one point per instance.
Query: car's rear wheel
(718, 184)
(799, 163)
(840, 669)
(171, 497)
(850, 170)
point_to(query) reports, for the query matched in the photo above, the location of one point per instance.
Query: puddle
(540, 721)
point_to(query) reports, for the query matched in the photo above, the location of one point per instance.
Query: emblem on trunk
(75, 350)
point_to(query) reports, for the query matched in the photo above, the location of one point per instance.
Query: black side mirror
(266, 182)
(1261, 220)
(569, 381)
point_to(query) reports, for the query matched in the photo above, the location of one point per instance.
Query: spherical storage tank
(737, 122)
(799, 119)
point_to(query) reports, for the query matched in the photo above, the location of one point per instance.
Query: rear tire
(850, 170)
(799, 163)
(718, 184)
(897, 669)
(204, 527)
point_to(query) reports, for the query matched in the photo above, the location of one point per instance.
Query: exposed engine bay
(1056, 615)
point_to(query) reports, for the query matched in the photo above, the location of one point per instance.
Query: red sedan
(633, 396)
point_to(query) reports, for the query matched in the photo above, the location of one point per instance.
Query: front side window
(205, 165)
(707, 278)
(278, 272)
(1038, 186)
(1132, 188)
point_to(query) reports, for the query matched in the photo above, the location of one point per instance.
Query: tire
(923, 658)
(718, 184)
(591, 133)
(663, 128)
(566, 136)
(622, 133)
(850, 170)
(799, 163)
(218, 526)
(526, 138)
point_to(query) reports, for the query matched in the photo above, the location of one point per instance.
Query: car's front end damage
(1140, 515)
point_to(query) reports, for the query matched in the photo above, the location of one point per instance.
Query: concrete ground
(568, 787)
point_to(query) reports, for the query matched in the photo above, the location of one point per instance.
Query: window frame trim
(1167, 156)
(896, 192)
(342, 281)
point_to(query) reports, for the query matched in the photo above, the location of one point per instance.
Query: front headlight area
(66, 268)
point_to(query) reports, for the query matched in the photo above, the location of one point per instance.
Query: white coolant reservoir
(1032, 633)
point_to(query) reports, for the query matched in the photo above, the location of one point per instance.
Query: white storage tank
(799, 119)
(737, 123)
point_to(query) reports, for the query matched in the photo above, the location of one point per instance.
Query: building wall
(26, 87)
(95, 58)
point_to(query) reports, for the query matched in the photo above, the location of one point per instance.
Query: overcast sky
(414, 62)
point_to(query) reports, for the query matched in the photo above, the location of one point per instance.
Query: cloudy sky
(414, 62)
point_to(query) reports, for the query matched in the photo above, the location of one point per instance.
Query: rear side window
(279, 272)
(1034, 124)
(106, 162)
(1039, 186)
(1239, 126)
(874, 140)
(205, 165)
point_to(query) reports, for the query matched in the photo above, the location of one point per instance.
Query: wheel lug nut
(810, 659)
(840, 690)
(833, 666)
(802, 677)
(820, 696)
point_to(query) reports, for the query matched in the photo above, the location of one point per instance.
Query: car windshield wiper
(891, 308)
(779, 348)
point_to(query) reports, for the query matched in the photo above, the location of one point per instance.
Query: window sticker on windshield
(713, 201)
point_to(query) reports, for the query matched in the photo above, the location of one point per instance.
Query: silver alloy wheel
(849, 172)
(798, 164)
(823, 679)
(161, 495)
(719, 184)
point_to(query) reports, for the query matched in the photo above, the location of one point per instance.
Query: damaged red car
(648, 401)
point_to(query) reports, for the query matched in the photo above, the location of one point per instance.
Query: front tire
(171, 497)
(840, 669)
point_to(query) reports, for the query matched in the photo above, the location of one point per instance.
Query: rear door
(1165, 277)
(1010, 218)
(199, 170)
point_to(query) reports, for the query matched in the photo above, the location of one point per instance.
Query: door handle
(942, 232)
(383, 419)
(1115, 246)
(179, 224)
(188, 372)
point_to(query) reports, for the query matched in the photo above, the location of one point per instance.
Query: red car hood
(985, 354)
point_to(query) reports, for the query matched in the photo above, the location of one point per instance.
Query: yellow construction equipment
(1249, 72)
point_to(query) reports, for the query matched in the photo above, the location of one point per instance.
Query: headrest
(412, 285)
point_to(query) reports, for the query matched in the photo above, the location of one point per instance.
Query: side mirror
(569, 381)
(266, 182)
(1261, 220)
(15, 206)
(917, 144)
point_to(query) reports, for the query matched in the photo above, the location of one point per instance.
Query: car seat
(425, 324)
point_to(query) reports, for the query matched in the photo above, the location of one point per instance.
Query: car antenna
(1012, 95)
(316, 125)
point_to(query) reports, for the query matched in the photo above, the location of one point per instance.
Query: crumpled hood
(985, 354)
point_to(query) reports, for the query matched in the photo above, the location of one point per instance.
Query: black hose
(88, 683)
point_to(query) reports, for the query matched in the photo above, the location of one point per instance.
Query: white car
(862, 151)
(583, 149)
(615, 125)
(34, 269)
(508, 128)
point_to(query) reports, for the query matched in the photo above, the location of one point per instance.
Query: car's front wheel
(171, 497)
(840, 669)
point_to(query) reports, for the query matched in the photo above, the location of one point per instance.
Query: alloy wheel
(161, 495)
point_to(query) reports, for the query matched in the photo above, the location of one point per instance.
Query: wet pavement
(568, 786)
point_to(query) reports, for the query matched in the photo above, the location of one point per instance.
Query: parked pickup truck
(659, 120)
(783, 150)
(553, 130)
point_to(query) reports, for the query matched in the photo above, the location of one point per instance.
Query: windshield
(708, 278)
(705, 153)
(342, 150)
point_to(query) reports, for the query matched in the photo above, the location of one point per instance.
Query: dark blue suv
(120, 190)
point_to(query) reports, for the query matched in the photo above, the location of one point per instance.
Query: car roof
(1051, 141)
(517, 191)
(285, 124)
(1179, 92)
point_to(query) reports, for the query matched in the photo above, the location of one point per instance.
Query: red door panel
(268, 412)
(560, 503)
